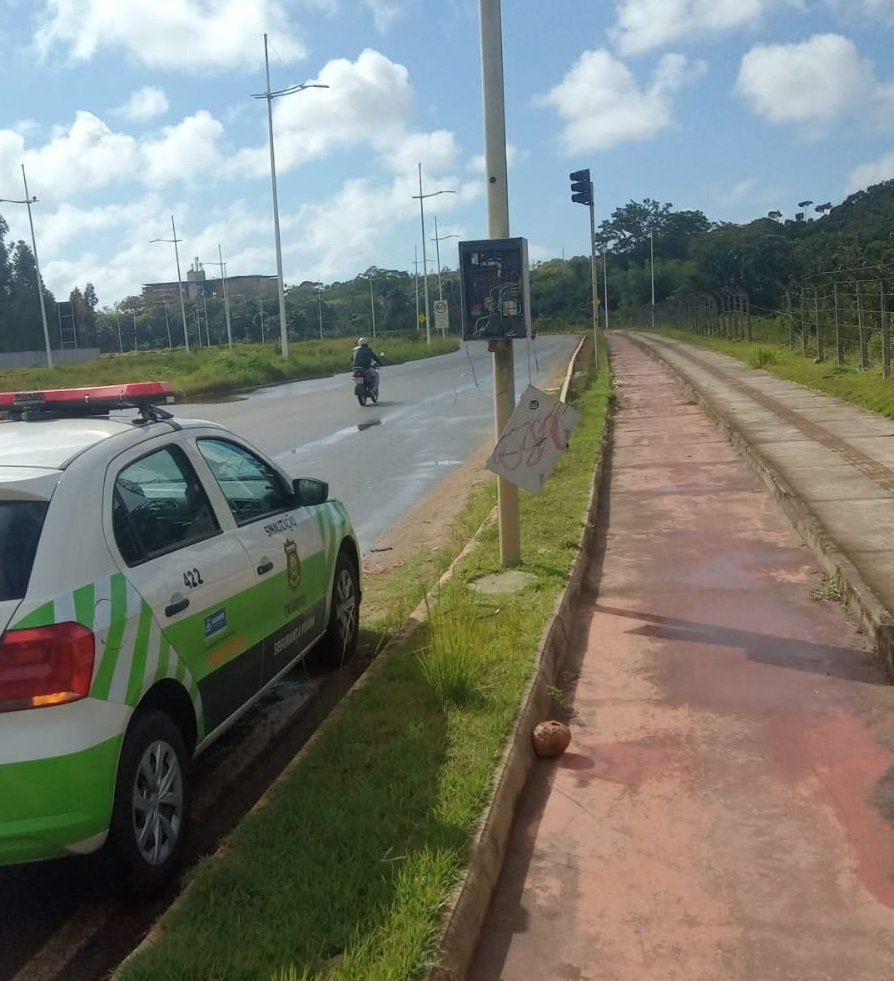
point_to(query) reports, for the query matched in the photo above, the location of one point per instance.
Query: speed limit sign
(442, 316)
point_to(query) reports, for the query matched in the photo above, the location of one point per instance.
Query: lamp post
(175, 240)
(422, 197)
(319, 289)
(270, 96)
(372, 302)
(223, 278)
(28, 201)
(437, 242)
(652, 270)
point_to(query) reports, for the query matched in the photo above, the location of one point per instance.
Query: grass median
(345, 870)
(210, 371)
(868, 389)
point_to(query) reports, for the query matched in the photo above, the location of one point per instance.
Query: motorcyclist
(363, 356)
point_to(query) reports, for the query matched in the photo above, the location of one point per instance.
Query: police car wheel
(340, 640)
(152, 803)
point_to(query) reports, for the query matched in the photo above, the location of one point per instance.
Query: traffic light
(581, 187)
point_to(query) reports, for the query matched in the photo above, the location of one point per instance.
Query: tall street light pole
(175, 240)
(437, 240)
(372, 303)
(223, 278)
(43, 313)
(422, 197)
(270, 96)
(319, 290)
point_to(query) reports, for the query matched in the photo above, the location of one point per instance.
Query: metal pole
(498, 227)
(372, 305)
(320, 311)
(120, 345)
(205, 308)
(43, 311)
(284, 341)
(594, 276)
(134, 329)
(424, 259)
(223, 276)
(604, 290)
(180, 286)
(416, 281)
(167, 322)
(652, 268)
(438, 257)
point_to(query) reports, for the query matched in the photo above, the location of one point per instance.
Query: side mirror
(309, 491)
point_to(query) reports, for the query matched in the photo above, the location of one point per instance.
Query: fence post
(791, 322)
(864, 347)
(803, 324)
(886, 331)
(839, 350)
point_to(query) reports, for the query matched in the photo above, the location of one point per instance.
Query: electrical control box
(495, 289)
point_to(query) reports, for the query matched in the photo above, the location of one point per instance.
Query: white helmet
(362, 342)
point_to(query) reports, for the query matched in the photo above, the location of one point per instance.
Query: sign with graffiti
(533, 439)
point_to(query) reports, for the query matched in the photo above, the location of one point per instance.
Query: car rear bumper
(57, 806)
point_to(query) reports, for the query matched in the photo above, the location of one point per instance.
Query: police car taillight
(95, 399)
(45, 666)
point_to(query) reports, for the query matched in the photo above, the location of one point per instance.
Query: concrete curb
(875, 619)
(471, 899)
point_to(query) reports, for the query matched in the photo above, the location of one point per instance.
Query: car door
(284, 544)
(187, 564)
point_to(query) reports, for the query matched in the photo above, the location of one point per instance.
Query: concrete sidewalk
(725, 809)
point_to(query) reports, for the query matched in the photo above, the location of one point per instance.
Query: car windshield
(20, 526)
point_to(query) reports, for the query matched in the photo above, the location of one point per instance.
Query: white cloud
(184, 35)
(385, 12)
(602, 104)
(643, 25)
(187, 152)
(871, 173)
(146, 103)
(812, 82)
(368, 102)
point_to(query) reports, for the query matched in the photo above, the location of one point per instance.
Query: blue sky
(125, 112)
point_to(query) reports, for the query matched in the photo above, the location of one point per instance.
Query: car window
(159, 505)
(20, 526)
(252, 487)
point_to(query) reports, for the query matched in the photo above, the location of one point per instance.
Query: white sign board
(529, 447)
(442, 316)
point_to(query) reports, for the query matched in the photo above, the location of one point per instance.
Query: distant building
(198, 284)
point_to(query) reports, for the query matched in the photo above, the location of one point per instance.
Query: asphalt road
(380, 460)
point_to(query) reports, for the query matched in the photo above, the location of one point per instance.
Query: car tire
(339, 643)
(152, 803)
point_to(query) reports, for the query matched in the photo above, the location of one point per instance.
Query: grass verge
(220, 370)
(344, 872)
(868, 389)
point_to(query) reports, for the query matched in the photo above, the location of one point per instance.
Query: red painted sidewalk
(725, 809)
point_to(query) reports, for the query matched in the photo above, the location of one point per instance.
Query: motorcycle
(366, 385)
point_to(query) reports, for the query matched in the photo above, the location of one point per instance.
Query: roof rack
(73, 403)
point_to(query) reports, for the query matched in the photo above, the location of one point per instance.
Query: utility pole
(652, 269)
(498, 227)
(416, 281)
(223, 277)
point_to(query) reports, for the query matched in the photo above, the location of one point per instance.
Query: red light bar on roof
(107, 396)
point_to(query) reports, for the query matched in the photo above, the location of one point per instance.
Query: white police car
(157, 575)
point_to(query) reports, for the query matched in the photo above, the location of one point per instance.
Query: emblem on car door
(293, 563)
